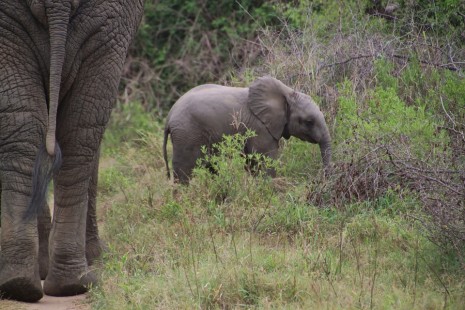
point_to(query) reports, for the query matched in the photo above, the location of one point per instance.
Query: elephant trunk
(325, 149)
(58, 14)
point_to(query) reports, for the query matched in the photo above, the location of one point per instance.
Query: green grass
(230, 240)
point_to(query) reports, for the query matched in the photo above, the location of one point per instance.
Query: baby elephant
(268, 107)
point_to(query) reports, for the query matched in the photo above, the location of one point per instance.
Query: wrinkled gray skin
(61, 62)
(270, 108)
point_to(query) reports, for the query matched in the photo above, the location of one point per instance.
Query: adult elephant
(270, 108)
(61, 62)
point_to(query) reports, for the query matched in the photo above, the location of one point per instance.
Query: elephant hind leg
(44, 225)
(181, 176)
(94, 245)
(19, 267)
(184, 160)
(69, 273)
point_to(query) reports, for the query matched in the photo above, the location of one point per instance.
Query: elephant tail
(44, 168)
(58, 18)
(165, 154)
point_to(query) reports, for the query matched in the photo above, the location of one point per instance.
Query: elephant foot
(20, 282)
(69, 284)
(94, 250)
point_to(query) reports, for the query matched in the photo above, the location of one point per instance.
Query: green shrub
(384, 76)
(454, 99)
(300, 160)
(441, 18)
(386, 120)
(233, 170)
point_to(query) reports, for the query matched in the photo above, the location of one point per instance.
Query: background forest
(385, 230)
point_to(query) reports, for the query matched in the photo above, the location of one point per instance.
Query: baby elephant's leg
(184, 159)
(266, 146)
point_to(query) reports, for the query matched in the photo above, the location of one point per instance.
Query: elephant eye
(308, 122)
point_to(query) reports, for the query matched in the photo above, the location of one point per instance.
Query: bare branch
(452, 66)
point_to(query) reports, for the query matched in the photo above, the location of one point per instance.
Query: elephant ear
(267, 101)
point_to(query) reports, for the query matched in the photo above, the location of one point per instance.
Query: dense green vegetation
(183, 43)
(385, 230)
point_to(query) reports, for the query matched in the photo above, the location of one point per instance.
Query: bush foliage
(186, 43)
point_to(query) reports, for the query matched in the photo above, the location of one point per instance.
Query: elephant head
(286, 113)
